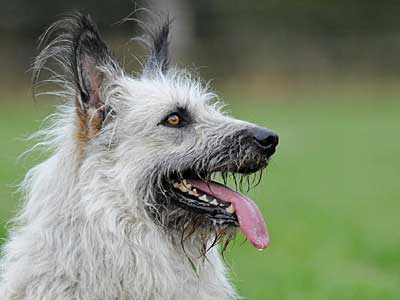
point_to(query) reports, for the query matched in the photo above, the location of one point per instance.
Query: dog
(127, 205)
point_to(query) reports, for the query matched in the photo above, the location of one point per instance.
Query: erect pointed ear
(92, 63)
(78, 59)
(157, 41)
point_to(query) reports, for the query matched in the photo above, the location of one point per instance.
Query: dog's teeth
(187, 185)
(230, 209)
(181, 187)
(214, 202)
(194, 193)
(203, 198)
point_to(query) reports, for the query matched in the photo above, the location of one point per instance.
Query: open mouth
(223, 206)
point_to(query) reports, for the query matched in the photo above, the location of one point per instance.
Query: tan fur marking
(88, 125)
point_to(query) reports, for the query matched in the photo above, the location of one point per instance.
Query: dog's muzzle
(250, 149)
(242, 153)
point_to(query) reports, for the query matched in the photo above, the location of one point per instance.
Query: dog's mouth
(222, 206)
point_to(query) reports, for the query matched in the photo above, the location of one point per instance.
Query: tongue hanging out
(249, 216)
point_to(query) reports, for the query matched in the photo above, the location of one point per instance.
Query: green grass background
(331, 197)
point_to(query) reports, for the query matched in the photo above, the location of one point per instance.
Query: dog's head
(164, 134)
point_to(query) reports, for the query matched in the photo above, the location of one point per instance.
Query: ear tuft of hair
(157, 41)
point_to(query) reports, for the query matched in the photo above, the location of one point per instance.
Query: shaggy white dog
(125, 207)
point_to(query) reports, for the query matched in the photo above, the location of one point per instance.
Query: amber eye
(173, 120)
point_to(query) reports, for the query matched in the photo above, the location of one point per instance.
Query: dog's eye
(174, 120)
(177, 119)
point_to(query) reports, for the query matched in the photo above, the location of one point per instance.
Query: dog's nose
(266, 138)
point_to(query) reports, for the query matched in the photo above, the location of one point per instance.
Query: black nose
(266, 138)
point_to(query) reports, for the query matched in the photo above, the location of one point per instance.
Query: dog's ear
(157, 41)
(92, 61)
(74, 45)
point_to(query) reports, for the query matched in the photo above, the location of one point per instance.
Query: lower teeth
(214, 202)
(230, 209)
(203, 198)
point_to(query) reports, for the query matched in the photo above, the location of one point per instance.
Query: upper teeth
(181, 187)
(188, 185)
(194, 192)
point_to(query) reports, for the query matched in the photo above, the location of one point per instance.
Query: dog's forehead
(164, 94)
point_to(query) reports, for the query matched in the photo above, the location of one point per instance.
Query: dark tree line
(285, 34)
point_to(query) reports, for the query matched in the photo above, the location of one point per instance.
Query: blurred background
(324, 74)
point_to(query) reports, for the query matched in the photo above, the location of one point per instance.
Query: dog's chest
(173, 277)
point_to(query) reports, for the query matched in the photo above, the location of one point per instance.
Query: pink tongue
(249, 216)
